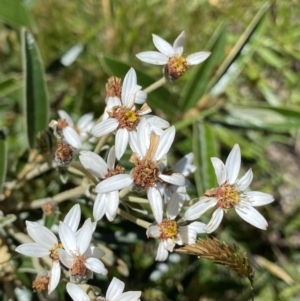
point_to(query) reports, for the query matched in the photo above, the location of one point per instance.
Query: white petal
(65, 258)
(233, 164)
(116, 287)
(129, 81)
(64, 115)
(153, 231)
(252, 216)
(169, 244)
(165, 142)
(99, 208)
(55, 277)
(140, 97)
(143, 139)
(67, 237)
(105, 127)
(129, 296)
(133, 142)
(122, 138)
(162, 45)
(93, 163)
(215, 220)
(196, 210)
(85, 121)
(152, 57)
(175, 179)
(184, 165)
(93, 251)
(112, 204)
(162, 253)
(113, 102)
(72, 218)
(32, 250)
(179, 44)
(41, 235)
(72, 137)
(77, 293)
(95, 265)
(157, 121)
(114, 183)
(245, 180)
(257, 198)
(220, 170)
(111, 158)
(187, 235)
(174, 205)
(197, 226)
(156, 203)
(198, 57)
(84, 236)
(130, 101)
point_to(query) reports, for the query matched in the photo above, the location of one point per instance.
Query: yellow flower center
(127, 118)
(176, 67)
(169, 229)
(54, 251)
(227, 195)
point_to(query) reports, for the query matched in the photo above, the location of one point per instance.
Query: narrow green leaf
(9, 85)
(270, 57)
(14, 13)
(205, 147)
(36, 102)
(3, 159)
(197, 84)
(160, 98)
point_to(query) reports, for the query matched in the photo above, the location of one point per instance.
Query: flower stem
(133, 219)
(101, 143)
(155, 85)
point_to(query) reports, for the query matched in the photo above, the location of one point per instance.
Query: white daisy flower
(83, 125)
(170, 231)
(47, 244)
(231, 194)
(149, 149)
(106, 203)
(114, 292)
(175, 64)
(77, 255)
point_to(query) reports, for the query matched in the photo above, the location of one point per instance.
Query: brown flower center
(128, 119)
(226, 195)
(40, 284)
(64, 154)
(61, 124)
(114, 87)
(176, 67)
(169, 229)
(79, 272)
(112, 172)
(54, 251)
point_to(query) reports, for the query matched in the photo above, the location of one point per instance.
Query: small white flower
(106, 203)
(170, 231)
(46, 243)
(120, 115)
(83, 125)
(231, 194)
(149, 149)
(114, 292)
(171, 56)
(77, 255)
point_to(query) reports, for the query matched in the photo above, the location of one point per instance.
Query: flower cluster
(148, 140)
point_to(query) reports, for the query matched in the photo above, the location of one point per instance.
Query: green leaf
(205, 147)
(14, 13)
(3, 159)
(160, 98)
(197, 84)
(36, 102)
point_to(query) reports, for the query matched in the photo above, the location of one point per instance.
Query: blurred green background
(247, 92)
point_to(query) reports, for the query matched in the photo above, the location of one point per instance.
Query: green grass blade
(36, 102)
(197, 84)
(3, 159)
(14, 13)
(204, 147)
